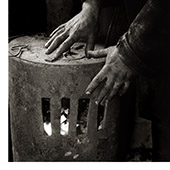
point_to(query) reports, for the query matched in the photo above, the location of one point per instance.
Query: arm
(144, 49)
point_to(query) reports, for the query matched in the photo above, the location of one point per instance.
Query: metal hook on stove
(19, 48)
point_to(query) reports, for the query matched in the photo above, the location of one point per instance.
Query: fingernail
(88, 93)
(46, 44)
(96, 102)
(47, 51)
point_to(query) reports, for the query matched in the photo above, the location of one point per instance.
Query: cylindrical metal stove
(51, 118)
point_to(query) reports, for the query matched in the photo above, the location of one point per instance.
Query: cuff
(130, 59)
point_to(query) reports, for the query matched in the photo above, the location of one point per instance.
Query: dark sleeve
(145, 47)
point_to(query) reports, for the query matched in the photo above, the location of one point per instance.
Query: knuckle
(96, 80)
(65, 43)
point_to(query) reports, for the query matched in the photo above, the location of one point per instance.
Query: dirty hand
(83, 26)
(115, 73)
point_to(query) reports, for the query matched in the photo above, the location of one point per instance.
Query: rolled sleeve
(130, 59)
(144, 48)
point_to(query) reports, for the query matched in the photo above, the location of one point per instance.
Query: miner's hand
(115, 73)
(82, 27)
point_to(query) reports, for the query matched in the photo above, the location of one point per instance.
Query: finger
(63, 47)
(114, 91)
(56, 42)
(96, 81)
(124, 88)
(57, 29)
(98, 53)
(104, 91)
(90, 45)
(53, 37)
(103, 101)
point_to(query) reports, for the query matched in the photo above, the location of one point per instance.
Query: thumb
(98, 53)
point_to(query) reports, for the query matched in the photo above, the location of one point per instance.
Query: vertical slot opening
(64, 119)
(100, 117)
(83, 107)
(46, 116)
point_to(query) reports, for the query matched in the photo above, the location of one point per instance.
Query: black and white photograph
(88, 81)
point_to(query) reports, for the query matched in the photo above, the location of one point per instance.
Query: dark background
(26, 16)
(30, 16)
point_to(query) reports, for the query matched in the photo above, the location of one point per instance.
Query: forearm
(144, 48)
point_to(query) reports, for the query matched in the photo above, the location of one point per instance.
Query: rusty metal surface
(35, 52)
(30, 80)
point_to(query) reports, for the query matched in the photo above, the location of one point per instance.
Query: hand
(115, 73)
(83, 26)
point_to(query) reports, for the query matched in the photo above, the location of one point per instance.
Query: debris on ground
(68, 153)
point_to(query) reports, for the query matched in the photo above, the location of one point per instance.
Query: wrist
(92, 7)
